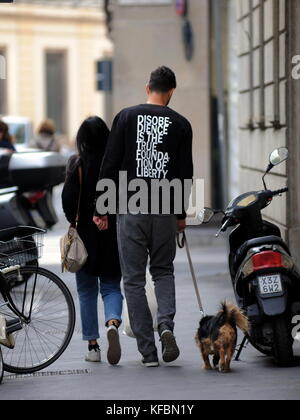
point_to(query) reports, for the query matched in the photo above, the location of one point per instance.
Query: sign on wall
(104, 75)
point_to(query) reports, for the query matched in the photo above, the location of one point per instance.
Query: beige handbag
(73, 251)
(5, 339)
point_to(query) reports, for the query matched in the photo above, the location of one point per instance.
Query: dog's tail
(235, 316)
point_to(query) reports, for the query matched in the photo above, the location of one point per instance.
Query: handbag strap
(80, 194)
(182, 242)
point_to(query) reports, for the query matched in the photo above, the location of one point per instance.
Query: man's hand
(181, 225)
(101, 222)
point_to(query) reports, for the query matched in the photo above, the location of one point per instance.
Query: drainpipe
(222, 123)
(276, 122)
(108, 15)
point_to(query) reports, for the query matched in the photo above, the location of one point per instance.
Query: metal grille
(258, 45)
(25, 246)
(70, 372)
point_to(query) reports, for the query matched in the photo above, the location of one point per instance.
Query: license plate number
(270, 284)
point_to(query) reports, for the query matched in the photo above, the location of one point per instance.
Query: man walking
(151, 142)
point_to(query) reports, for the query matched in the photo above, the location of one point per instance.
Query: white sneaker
(114, 348)
(8, 342)
(93, 355)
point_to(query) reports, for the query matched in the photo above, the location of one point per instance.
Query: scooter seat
(257, 242)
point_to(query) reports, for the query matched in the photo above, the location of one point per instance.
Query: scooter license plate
(270, 284)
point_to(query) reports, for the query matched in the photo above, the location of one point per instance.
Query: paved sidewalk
(71, 378)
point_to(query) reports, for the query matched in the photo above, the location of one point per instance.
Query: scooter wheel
(267, 351)
(283, 342)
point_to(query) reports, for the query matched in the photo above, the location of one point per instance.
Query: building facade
(51, 49)
(244, 51)
(268, 41)
(249, 48)
(151, 33)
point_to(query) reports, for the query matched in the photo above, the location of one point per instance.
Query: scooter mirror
(278, 156)
(205, 215)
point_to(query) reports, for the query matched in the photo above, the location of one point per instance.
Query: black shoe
(170, 350)
(151, 360)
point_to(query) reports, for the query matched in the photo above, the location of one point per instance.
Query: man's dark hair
(162, 80)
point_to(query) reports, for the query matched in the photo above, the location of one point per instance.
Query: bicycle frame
(4, 291)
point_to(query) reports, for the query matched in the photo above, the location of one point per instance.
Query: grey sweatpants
(139, 237)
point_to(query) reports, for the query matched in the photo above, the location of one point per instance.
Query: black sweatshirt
(150, 142)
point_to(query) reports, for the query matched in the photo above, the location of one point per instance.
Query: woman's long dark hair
(5, 130)
(92, 139)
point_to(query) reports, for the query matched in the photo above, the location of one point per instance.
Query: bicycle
(1, 366)
(39, 307)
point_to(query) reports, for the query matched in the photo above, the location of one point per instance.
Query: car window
(18, 132)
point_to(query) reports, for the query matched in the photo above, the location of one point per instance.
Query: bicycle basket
(20, 245)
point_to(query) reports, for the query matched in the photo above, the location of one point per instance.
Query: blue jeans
(88, 291)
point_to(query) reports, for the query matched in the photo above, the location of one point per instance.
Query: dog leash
(182, 242)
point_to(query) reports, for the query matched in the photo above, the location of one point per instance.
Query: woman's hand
(101, 222)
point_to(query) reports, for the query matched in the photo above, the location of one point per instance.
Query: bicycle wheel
(44, 338)
(1, 366)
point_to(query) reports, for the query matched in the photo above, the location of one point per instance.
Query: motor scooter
(265, 279)
(26, 183)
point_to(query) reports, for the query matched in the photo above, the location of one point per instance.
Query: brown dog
(217, 336)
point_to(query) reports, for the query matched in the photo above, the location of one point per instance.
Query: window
(262, 63)
(3, 83)
(56, 92)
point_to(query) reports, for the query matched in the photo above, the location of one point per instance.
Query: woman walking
(102, 269)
